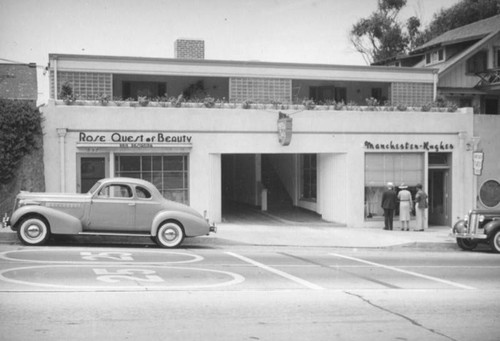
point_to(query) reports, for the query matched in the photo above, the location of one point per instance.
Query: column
(61, 132)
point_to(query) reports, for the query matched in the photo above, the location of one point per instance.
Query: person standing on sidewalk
(389, 205)
(405, 204)
(421, 208)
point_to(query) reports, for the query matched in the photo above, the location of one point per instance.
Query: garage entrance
(270, 185)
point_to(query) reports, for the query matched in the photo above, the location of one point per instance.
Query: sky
(296, 31)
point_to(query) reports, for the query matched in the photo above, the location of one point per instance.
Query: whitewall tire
(170, 234)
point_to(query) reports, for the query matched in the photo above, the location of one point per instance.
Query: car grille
(472, 226)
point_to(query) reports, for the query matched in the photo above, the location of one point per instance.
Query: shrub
(20, 124)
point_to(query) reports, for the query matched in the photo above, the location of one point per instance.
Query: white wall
(337, 136)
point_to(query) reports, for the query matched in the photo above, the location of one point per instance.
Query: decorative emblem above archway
(284, 129)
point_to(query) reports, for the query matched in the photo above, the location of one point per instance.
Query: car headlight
(481, 218)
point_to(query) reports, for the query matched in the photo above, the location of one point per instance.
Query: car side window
(142, 193)
(115, 191)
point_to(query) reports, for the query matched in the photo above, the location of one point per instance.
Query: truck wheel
(495, 241)
(466, 244)
(33, 231)
(170, 234)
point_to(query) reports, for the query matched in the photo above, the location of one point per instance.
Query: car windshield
(94, 188)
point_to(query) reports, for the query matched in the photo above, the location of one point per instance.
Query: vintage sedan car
(478, 226)
(113, 206)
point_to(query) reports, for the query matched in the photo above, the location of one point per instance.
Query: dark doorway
(92, 169)
(439, 189)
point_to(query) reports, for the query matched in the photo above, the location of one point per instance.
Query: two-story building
(212, 133)
(467, 60)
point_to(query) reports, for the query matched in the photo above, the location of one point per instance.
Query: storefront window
(309, 177)
(169, 173)
(381, 168)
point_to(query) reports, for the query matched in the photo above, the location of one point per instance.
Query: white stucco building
(219, 142)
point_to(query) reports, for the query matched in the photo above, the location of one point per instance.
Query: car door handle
(132, 204)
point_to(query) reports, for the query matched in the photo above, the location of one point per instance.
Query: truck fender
(491, 227)
(193, 226)
(60, 222)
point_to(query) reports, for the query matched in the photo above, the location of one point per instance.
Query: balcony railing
(221, 104)
(488, 78)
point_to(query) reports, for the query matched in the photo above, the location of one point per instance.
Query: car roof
(132, 181)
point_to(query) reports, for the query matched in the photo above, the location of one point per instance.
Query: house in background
(467, 60)
(218, 134)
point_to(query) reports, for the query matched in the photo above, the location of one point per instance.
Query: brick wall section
(18, 81)
(411, 94)
(260, 90)
(189, 49)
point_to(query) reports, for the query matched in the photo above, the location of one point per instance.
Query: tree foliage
(463, 13)
(381, 36)
(20, 124)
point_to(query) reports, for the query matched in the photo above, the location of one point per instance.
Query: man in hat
(389, 205)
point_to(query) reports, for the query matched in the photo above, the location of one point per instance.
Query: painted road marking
(283, 274)
(411, 273)
(121, 277)
(100, 256)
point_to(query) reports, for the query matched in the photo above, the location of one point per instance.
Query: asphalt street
(246, 292)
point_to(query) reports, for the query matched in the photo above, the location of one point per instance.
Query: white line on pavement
(458, 285)
(277, 272)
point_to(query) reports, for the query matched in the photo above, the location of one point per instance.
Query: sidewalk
(332, 236)
(304, 235)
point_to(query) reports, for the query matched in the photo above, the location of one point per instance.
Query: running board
(111, 234)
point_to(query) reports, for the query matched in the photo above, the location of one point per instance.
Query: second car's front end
(471, 227)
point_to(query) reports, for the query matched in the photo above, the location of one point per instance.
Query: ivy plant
(20, 125)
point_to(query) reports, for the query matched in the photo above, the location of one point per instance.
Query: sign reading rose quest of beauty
(131, 139)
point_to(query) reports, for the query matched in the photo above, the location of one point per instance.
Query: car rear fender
(193, 225)
(60, 222)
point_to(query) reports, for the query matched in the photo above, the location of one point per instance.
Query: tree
(381, 36)
(460, 14)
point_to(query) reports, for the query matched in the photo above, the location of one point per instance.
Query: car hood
(41, 196)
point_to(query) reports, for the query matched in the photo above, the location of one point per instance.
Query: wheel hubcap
(169, 234)
(33, 231)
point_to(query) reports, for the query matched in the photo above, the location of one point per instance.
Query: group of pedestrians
(390, 200)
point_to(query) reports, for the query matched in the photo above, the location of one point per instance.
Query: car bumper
(468, 235)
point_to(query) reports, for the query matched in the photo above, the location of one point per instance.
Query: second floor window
(133, 89)
(435, 57)
(478, 62)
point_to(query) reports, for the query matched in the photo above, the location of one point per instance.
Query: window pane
(381, 168)
(129, 163)
(146, 163)
(169, 173)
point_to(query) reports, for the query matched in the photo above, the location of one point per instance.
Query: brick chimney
(189, 49)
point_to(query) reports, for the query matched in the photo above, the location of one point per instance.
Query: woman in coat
(405, 205)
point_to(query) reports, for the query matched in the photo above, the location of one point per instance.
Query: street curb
(10, 237)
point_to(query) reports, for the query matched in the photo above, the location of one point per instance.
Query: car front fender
(491, 227)
(193, 225)
(60, 222)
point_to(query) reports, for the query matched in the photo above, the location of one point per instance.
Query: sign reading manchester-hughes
(128, 139)
(435, 147)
